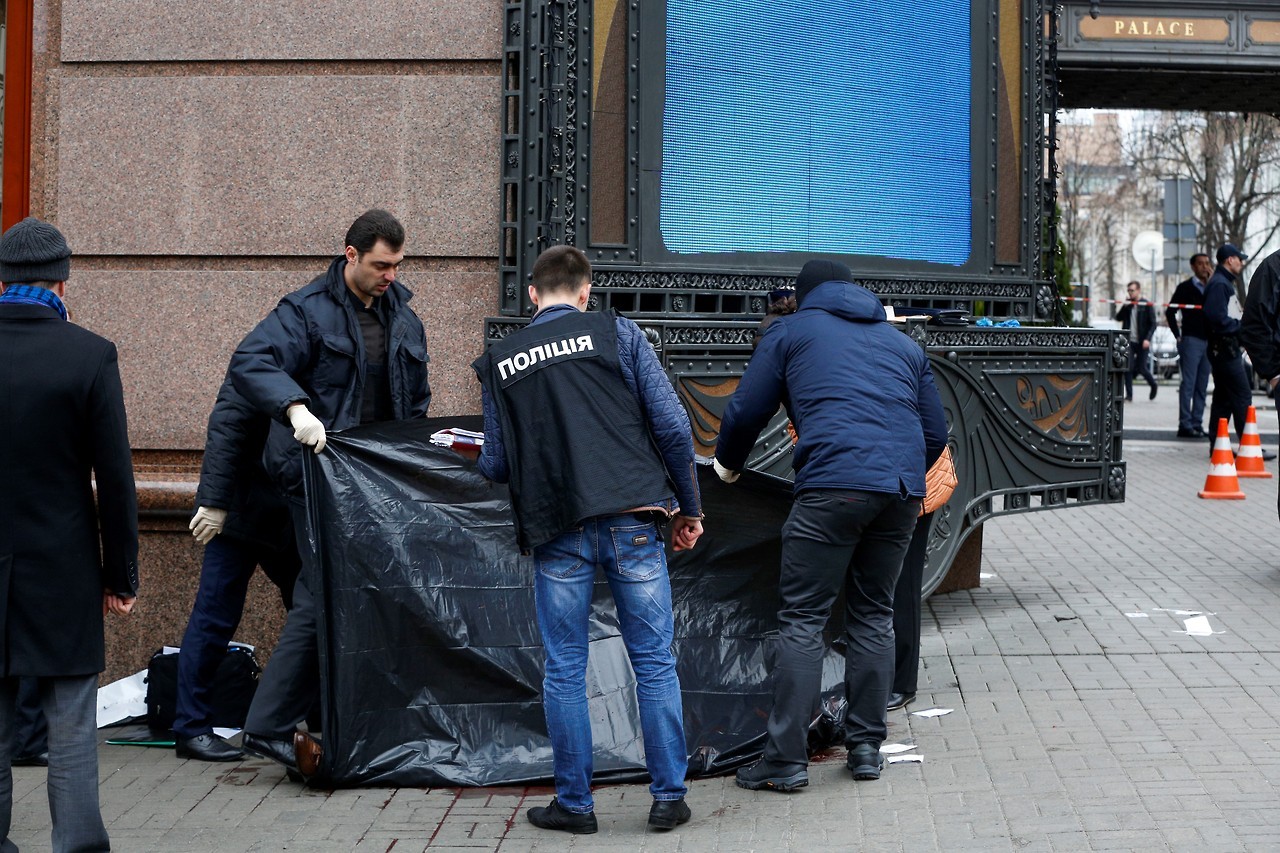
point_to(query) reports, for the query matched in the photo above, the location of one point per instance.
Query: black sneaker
(762, 775)
(865, 761)
(554, 817)
(1154, 389)
(668, 814)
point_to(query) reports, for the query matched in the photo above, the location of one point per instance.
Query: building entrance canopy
(1171, 55)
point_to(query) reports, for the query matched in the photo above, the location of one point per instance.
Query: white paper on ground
(123, 700)
(986, 575)
(1198, 626)
(1177, 612)
(898, 759)
(1138, 615)
(932, 712)
(895, 748)
(226, 733)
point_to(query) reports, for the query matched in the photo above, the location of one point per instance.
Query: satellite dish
(1148, 250)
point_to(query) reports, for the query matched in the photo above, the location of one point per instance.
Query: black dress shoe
(899, 700)
(865, 761)
(1154, 389)
(555, 817)
(206, 747)
(763, 776)
(1268, 455)
(1200, 433)
(1190, 433)
(40, 759)
(273, 749)
(668, 814)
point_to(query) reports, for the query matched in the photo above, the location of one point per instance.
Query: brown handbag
(939, 482)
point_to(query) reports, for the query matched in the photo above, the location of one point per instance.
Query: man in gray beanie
(64, 559)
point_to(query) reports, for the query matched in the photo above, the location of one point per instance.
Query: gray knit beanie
(34, 250)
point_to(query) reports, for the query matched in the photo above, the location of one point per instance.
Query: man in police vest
(581, 420)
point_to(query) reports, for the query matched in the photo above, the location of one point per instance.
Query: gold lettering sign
(1124, 28)
(1264, 32)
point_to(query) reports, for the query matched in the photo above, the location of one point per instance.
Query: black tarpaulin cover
(430, 656)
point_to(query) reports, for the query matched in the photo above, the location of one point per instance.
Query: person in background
(1231, 394)
(1260, 324)
(1193, 346)
(1138, 318)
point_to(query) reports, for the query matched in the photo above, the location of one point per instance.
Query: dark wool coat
(62, 425)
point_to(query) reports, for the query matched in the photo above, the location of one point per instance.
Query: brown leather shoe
(309, 751)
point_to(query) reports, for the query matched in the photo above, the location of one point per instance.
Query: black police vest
(576, 440)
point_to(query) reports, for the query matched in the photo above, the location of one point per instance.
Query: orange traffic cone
(1249, 462)
(1221, 482)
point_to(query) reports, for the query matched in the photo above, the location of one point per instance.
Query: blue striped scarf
(26, 294)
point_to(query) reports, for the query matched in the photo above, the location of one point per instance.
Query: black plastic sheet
(431, 660)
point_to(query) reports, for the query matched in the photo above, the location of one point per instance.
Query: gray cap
(34, 250)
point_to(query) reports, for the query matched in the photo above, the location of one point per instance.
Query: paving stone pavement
(1078, 724)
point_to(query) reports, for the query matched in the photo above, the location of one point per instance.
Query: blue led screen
(833, 127)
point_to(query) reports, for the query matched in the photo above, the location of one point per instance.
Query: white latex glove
(724, 473)
(307, 427)
(207, 523)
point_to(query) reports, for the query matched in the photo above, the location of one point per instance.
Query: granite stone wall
(205, 157)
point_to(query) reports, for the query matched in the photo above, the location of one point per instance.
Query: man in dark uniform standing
(1231, 394)
(581, 420)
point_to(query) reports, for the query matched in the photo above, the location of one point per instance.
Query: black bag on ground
(232, 691)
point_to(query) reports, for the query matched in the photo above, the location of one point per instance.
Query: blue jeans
(1193, 364)
(629, 550)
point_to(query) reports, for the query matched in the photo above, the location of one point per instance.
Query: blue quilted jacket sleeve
(668, 421)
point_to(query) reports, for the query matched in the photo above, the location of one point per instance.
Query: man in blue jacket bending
(870, 422)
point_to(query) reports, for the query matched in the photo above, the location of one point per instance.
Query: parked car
(1164, 353)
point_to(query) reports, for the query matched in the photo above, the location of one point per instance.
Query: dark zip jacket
(859, 391)
(1260, 326)
(310, 350)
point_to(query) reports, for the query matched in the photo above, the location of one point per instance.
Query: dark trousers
(1231, 394)
(832, 539)
(70, 707)
(1139, 364)
(290, 685)
(224, 581)
(907, 608)
(30, 731)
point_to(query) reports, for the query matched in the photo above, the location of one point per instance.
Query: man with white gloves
(243, 522)
(345, 350)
